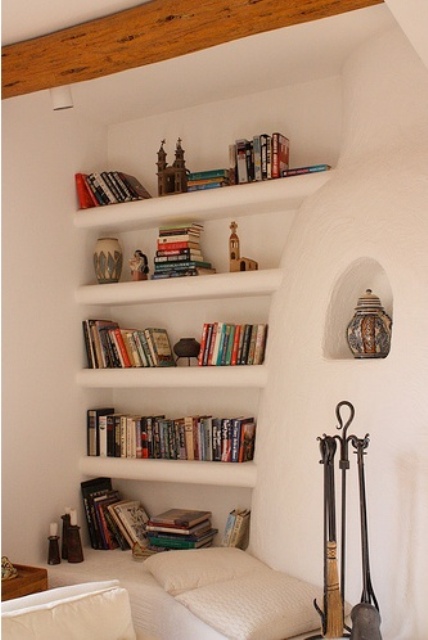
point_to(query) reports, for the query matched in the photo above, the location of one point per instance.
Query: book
(180, 542)
(85, 195)
(160, 347)
(280, 157)
(196, 530)
(93, 429)
(181, 228)
(243, 150)
(178, 237)
(247, 441)
(100, 503)
(134, 186)
(265, 141)
(88, 488)
(134, 519)
(185, 518)
(211, 173)
(236, 532)
(173, 246)
(96, 178)
(210, 185)
(309, 169)
(240, 428)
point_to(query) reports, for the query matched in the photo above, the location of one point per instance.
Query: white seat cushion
(99, 611)
(267, 605)
(179, 571)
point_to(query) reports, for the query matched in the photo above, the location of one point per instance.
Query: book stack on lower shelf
(112, 522)
(180, 529)
(179, 252)
(224, 344)
(193, 437)
(109, 346)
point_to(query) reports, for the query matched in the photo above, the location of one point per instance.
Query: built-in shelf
(227, 474)
(249, 376)
(246, 199)
(221, 285)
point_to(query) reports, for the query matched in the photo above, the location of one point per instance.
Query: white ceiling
(284, 56)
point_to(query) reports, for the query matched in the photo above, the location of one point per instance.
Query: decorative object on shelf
(171, 179)
(139, 265)
(65, 527)
(8, 571)
(74, 543)
(365, 616)
(53, 552)
(108, 259)
(369, 332)
(236, 262)
(187, 348)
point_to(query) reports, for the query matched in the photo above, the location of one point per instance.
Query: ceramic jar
(369, 332)
(108, 259)
(187, 348)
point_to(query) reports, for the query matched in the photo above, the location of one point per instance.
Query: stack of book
(237, 530)
(191, 437)
(108, 187)
(181, 529)
(179, 252)
(232, 344)
(211, 179)
(110, 346)
(111, 521)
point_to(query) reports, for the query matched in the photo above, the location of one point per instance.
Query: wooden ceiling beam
(149, 33)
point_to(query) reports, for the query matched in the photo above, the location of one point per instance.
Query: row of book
(237, 529)
(224, 344)
(263, 157)
(193, 437)
(179, 253)
(98, 189)
(112, 522)
(109, 346)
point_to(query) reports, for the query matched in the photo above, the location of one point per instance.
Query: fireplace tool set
(365, 615)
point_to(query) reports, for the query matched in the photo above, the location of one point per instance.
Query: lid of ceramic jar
(368, 302)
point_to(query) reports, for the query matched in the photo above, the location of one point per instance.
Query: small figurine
(139, 266)
(171, 179)
(236, 262)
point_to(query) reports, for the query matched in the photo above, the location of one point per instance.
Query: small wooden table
(29, 580)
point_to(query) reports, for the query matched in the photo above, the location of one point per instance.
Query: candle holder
(74, 544)
(53, 553)
(65, 530)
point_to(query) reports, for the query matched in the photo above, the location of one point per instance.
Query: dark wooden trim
(149, 33)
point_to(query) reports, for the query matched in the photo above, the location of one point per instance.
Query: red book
(84, 194)
(126, 362)
(280, 154)
(172, 246)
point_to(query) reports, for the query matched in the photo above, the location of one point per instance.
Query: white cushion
(267, 605)
(178, 571)
(99, 611)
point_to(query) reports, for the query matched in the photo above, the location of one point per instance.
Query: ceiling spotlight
(61, 98)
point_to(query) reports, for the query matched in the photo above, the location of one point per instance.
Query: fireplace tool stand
(365, 616)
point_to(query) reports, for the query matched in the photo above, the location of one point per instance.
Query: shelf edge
(177, 471)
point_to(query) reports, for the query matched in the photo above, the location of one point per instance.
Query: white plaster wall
(367, 226)
(43, 258)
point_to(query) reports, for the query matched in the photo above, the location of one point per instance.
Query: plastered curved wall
(373, 209)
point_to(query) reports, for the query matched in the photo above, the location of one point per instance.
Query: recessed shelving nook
(134, 299)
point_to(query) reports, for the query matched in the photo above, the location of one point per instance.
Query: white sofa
(202, 594)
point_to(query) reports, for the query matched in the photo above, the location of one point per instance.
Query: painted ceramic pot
(369, 332)
(108, 260)
(187, 348)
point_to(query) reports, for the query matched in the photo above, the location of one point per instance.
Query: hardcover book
(180, 518)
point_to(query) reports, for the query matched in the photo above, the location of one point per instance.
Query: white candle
(73, 517)
(53, 529)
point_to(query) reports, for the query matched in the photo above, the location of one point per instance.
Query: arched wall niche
(364, 273)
